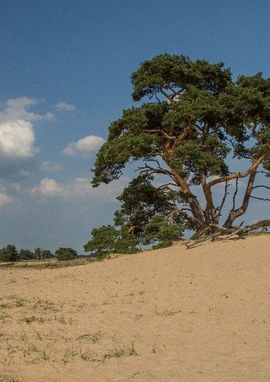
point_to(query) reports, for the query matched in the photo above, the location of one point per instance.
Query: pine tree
(194, 118)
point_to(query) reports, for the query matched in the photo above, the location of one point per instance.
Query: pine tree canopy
(194, 128)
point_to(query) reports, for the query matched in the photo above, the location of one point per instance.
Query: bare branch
(156, 97)
(186, 209)
(172, 90)
(167, 96)
(261, 186)
(239, 175)
(191, 219)
(166, 185)
(235, 213)
(235, 193)
(226, 193)
(155, 161)
(254, 132)
(215, 232)
(259, 198)
(148, 169)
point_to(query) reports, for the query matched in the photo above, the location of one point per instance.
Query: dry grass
(8, 378)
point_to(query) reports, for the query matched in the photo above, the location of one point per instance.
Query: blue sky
(65, 68)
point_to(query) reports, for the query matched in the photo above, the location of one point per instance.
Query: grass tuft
(91, 337)
(8, 378)
(120, 351)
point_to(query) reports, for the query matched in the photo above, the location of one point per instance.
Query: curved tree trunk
(235, 213)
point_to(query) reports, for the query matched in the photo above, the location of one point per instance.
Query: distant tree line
(11, 254)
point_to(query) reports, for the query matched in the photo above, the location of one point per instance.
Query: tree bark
(210, 211)
(191, 199)
(238, 175)
(235, 213)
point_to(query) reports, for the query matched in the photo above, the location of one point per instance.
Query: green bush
(66, 254)
(8, 253)
(26, 254)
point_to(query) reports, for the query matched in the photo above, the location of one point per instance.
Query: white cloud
(48, 187)
(5, 199)
(85, 146)
(17, 140)
(18, 109)
(17, 136)
(78, 188)
(63, 106)
(47, 166)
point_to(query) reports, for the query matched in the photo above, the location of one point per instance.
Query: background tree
(66, 254)
(8, 253)
(26, 254)
(46, 254)
(196, 128)
(40, 254)
(37, 253)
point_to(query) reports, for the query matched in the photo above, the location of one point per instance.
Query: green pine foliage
(109, 239)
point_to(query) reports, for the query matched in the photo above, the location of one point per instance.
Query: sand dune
(166, 315)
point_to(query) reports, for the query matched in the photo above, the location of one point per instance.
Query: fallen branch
(215, 232)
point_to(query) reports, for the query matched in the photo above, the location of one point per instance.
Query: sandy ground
(167, 315)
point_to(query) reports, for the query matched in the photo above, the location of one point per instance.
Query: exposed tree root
(215, 232)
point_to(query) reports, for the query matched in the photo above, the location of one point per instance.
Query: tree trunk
(235, 213)
(191, 199)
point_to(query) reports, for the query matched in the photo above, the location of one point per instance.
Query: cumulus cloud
(85, 146)
(17, 136)
(18, 109)
(63, 106)
(48, 166)
(17, 140)
(78, 188)
(48, 187)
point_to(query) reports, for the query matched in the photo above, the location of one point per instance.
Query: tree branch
(163, 133)
(215, 232)
(181, 181)
(156, 97)
(235, 193)
(166, 186)
(148, 169)
(235, 175)
(235, 213)
(226, 193)
(184, 134)
(261, 186)
(191, 219)
(169, 98)
(259, 198)
(210, 211)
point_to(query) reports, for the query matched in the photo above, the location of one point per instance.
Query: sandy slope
(166, 315)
